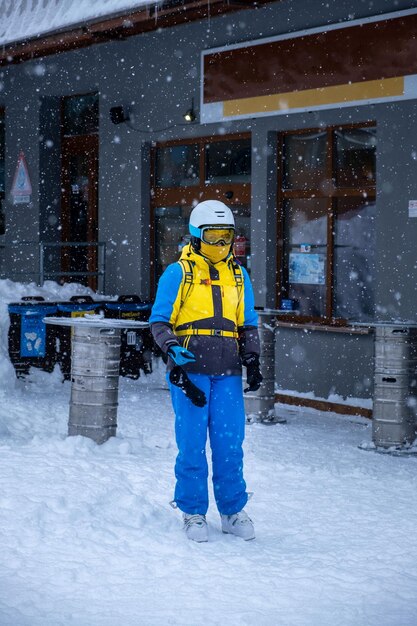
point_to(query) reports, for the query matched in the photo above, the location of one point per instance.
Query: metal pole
(260, 404)
(102, 267)
(41, 264)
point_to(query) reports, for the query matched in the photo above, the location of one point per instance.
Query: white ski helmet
(210, 213)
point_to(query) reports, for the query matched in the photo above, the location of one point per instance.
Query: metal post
(261, 404)
(95, 382)
(41, 264)
(101, 267)
(395, 388)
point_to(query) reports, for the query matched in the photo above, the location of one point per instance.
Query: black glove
(179, 378)
(254, 377)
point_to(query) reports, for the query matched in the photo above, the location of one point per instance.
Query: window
(228, 161)
(327, 205)
(2, 172)
(187, 172)
(177, 166)
(80, 115)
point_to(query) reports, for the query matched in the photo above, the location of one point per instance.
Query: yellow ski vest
(210, 296)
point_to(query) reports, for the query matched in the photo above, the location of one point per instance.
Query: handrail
(41, 273)
(22, 274)
(101, 260)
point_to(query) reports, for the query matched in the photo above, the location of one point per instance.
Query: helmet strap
(196, 243)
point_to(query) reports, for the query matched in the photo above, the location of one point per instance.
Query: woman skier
(204, 321)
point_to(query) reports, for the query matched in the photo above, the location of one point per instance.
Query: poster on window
(307, 269)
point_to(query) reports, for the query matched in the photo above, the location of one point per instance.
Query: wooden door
(80, 209)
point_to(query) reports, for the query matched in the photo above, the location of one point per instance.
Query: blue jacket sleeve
(248, 335)
(166, 294)
(250, 315)
(164, 309)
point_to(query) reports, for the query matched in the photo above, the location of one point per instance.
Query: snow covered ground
(87, 537)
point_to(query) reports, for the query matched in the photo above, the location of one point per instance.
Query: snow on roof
(26, 19)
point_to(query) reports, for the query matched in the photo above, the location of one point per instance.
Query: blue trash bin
(31, 342)
(136, 344)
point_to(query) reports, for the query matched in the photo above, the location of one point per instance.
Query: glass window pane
(177, 166)
(81, 115)
(355, 157)
(171, 235)
(354, 260)
(305, 254)
(79, 180)
(242, 244)
(228, 161)
(304, 160)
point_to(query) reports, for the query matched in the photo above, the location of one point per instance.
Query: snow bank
(13, 292)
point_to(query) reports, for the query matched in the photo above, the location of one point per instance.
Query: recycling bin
(77, 306)
(136, 344)
(30, 342)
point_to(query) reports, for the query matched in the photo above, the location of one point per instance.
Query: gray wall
(324, 363)
(157, 74)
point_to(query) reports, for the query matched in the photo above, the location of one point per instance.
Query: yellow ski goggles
(215, 236)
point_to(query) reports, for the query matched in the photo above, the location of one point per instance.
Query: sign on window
(307, 269)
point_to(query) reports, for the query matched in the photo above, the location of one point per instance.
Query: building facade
(300, 117)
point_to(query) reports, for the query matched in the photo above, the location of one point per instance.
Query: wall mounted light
(190, 115)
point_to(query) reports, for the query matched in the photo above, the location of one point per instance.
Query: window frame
(330, 192)
(184, 195)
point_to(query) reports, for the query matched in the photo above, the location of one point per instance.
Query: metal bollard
(260, 404)
(95, 382)
(395, 386)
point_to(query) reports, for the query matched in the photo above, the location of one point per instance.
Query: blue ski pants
(223, 417)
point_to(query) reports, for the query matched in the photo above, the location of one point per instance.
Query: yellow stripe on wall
(310, 98)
